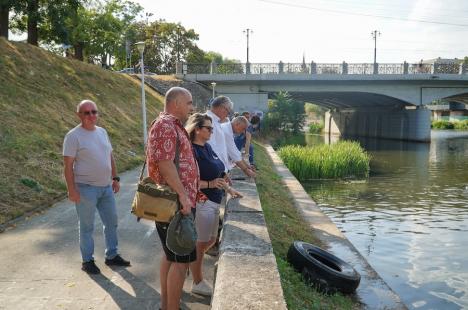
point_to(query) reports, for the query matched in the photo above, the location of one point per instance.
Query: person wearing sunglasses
(92, 180)
(212, 183)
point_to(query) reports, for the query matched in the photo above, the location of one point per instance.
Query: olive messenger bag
(156, 202)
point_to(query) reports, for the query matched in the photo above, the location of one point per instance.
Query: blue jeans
(102, 199)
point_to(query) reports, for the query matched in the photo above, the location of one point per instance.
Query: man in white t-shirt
(92, 180)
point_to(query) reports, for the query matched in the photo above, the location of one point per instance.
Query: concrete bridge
(381, 100)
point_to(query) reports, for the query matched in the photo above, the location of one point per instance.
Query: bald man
(92, 180)
(165, 133)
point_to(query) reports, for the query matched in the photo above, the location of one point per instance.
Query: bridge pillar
(376, 68)
(398, 124)
(344, 69)
(405, 67)
(463, 68)
(213, 67)
(313, 68)
(179, 67)
(280, 67)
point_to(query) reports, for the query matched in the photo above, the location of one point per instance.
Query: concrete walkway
(40, 263)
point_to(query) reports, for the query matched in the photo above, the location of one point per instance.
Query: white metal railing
(320, 68)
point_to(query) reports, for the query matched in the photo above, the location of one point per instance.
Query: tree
(5, 7)
(285, 114)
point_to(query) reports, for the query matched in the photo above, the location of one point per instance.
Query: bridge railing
(320, 68)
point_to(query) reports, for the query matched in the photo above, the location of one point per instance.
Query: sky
(324, 31)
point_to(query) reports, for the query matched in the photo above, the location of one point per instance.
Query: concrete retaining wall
(247, 275)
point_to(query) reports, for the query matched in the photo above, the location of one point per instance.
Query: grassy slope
(38, 96)
(285, 225)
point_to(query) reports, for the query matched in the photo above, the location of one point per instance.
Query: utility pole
(374, 35)
(247, 65)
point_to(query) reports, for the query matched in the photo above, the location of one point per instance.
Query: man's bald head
(83, 103)
(173, 94)
(178, 102)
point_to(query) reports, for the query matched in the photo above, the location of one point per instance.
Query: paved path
(40, 263)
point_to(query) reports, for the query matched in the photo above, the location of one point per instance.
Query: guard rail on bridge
(320, 68)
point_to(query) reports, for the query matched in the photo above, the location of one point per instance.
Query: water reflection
(410, 218)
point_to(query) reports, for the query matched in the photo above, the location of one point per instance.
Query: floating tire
(322, 269)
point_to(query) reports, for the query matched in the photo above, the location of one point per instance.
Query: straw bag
(156, 202)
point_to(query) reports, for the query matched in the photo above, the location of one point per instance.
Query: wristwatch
(116, 179)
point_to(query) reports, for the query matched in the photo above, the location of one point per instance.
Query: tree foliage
(285, 113)
(105, 32)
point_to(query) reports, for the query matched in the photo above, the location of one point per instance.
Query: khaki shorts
(207, 220)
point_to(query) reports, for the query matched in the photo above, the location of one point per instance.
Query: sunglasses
(88, 113)
(210, 129)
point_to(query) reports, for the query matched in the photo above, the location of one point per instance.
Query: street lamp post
(374, 34)
(247, 65)
(213, 85)
(141, 48)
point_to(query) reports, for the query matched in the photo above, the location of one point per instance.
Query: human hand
(115, 186)
(227, 179)
(234, 193)
(74, 195)
(186, 205)
(218, 183)
(250, 173)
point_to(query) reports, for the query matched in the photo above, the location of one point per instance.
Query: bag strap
(176, 157)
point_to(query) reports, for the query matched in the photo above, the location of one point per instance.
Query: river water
(409, 219)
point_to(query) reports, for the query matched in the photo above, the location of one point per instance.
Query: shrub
(284, 114)
(442, 124)
(341, 160)
(315, 127)
(461, 125)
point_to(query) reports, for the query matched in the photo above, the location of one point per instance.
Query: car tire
(322, 269)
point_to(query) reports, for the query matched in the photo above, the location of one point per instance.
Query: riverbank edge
(373, 292)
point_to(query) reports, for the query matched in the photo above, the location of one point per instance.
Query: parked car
(127, 70)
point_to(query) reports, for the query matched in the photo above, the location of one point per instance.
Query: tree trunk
(4, 20)
(79, 51)
(33, 18)
(104, 61)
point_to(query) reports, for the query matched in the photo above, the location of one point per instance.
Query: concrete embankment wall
(247, 275)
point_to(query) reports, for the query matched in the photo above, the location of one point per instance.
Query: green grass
(461, 125)
(39, 92)
(344, 159)
(285, 225)
(442, 125)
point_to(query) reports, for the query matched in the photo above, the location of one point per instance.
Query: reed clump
(344, 159)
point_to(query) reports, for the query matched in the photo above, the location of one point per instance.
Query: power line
(392, 6)
(362, 14)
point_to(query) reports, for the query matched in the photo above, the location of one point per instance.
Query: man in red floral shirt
(161, 152)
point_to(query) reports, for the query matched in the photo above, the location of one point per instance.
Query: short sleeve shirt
(211, 167)
(92, 152)
(162, 140)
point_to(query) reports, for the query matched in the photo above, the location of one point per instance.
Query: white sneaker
(202, 288)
